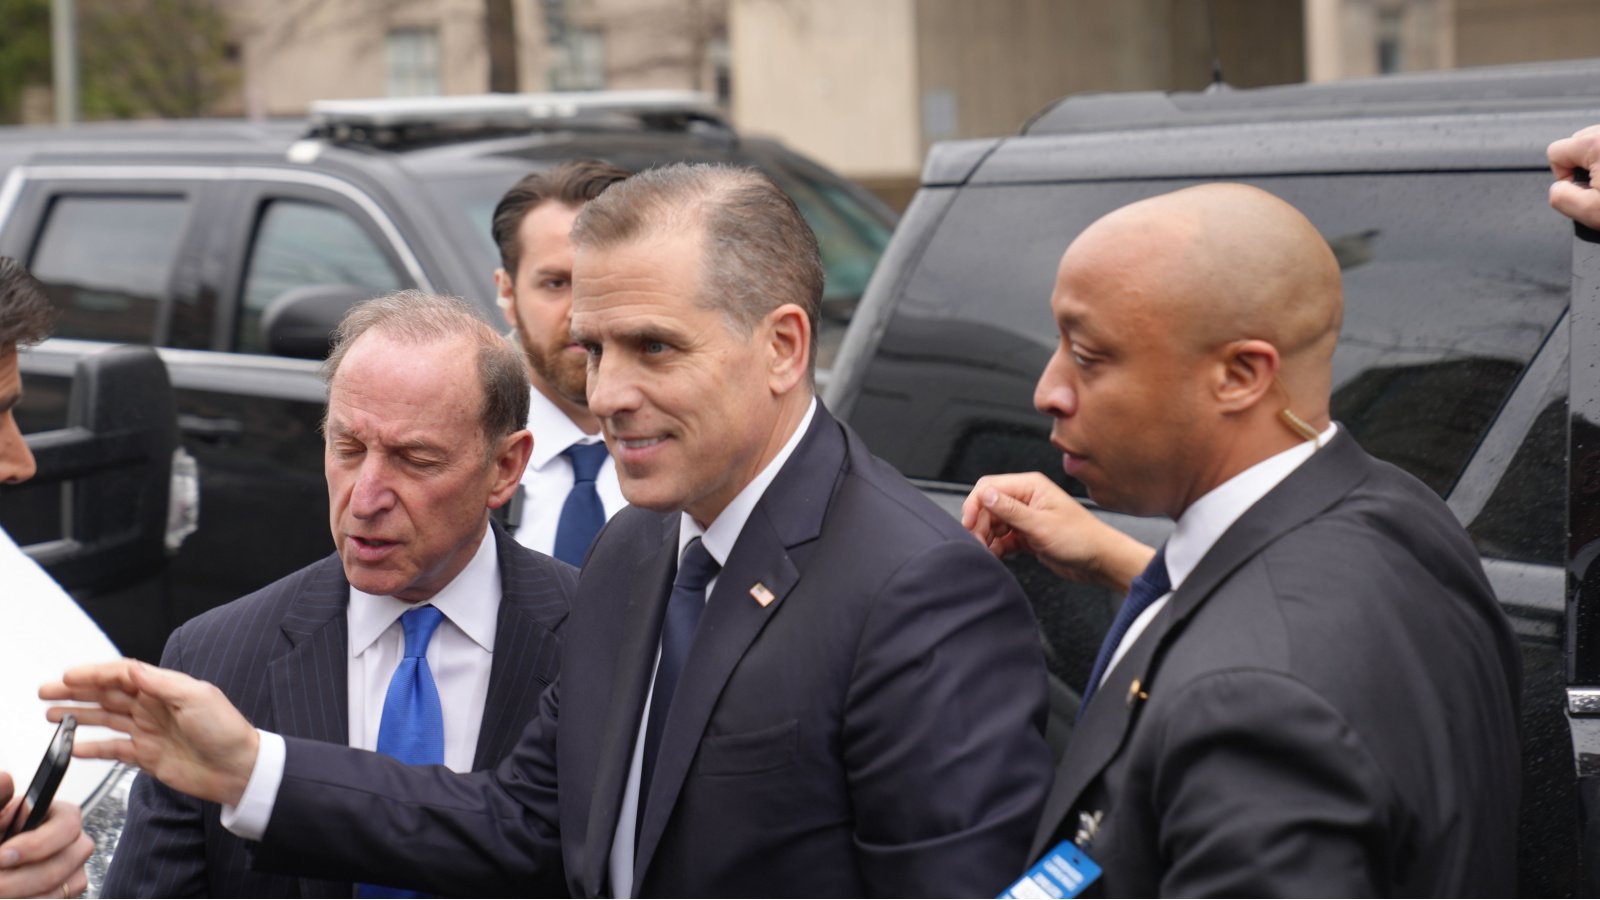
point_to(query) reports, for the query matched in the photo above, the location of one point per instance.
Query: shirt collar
(1204, 522)
(720, 535)
(471, 600)
(552, 431)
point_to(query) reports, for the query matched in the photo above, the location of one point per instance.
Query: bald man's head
(1227, 261)
(1188, 320)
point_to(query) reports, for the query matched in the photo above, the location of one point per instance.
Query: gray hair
(420, 317)
(759, 251)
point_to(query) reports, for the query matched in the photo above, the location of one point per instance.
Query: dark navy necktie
(1151, 585)
(684, 607)
(582, 514)
(412, 730)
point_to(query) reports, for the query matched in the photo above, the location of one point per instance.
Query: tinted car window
(298, 244)
(948, 396)
(107, 262)
(1525, 518)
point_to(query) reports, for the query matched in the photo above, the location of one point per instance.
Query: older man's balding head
(1188, 322)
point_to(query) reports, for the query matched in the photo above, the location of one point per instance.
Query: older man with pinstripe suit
(424, 435)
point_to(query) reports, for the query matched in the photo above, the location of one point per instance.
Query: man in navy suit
(425, 435)
(787, 673)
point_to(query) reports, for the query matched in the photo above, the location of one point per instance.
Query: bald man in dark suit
(1311, 689)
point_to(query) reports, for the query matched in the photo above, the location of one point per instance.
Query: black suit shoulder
(235, 641)
(1364, 643)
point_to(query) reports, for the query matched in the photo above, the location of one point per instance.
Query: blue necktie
(413, 722)
(1151, 585)
(582, 514)
(684, 607)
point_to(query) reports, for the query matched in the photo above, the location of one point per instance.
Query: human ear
(787, 334)
(1247, 372)
(509, 460)
(505, 296)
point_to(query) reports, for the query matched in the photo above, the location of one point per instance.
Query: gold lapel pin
(762, 595)
(1135, 694)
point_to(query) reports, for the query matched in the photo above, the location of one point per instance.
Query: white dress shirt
(548, 477)
(460, 656)
(718, 538)
(1204, 522)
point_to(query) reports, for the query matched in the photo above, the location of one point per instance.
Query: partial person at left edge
(49, 859)
(423, 437)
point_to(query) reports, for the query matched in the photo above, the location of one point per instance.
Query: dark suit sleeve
(162, 850)
(943, 737)
(1265, 791)
(350, 814)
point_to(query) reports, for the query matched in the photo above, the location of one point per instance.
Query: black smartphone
(36, 802)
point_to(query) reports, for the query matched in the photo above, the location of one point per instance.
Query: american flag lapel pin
(762, 595)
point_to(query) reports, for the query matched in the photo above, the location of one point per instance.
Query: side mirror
(298, 321)
(116, 453)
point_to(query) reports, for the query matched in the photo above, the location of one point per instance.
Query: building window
(580, 61)
(413, 62)
(1390, 58)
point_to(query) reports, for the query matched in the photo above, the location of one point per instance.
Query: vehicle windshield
(850, 233)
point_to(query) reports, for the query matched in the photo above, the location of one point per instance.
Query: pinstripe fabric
(280, 656)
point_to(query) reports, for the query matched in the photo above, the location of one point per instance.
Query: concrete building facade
(868, 87)
(1355, 38)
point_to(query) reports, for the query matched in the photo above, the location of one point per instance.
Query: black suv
(1470, 354)
(233, 246)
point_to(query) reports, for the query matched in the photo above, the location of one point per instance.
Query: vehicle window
(107, 261)
(1451, 282)
(1525, 518)
(300, 244)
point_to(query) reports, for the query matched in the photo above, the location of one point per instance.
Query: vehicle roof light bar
(390, 119)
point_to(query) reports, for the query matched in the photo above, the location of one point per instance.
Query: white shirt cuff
(249, 819)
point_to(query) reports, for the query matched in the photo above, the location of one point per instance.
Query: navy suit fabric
(874, 730)
(280, 655)
(1327, 706)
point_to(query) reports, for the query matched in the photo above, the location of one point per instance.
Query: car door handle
(210, 430)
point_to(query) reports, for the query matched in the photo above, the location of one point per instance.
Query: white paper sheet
(43, 632)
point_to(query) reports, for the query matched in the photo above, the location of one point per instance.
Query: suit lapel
(526, 652)
(309, 684)
(788, 517)
(1320, 482)
(732, 620)
(647, 587)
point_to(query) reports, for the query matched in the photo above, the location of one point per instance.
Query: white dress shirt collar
(552, 431)
(720, 536)
(461, 601)
(1204, 522)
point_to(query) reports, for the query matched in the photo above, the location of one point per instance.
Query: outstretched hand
(180, 731)
(1029, 513)
(48, 860)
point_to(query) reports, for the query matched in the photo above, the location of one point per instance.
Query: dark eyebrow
(647, 333)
